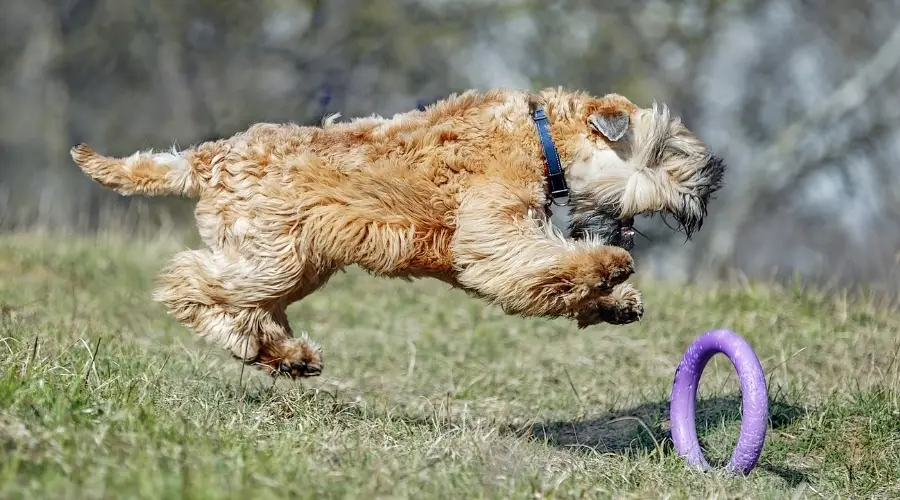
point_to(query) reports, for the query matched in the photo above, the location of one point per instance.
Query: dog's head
(631, 161)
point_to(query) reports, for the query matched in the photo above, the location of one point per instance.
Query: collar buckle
(558, 189)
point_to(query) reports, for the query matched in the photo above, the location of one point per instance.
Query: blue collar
(556, 180)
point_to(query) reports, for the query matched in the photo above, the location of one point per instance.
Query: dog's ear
(611, 124)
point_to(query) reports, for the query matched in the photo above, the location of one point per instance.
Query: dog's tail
(146, 173)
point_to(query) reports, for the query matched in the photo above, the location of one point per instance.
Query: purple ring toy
(755, 400)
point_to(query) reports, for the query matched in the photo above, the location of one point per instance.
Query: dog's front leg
(504, 251)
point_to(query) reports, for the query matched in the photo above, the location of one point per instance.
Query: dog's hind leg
(507, 254)
(240, 304)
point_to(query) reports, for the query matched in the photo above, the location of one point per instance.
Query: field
(426, 393)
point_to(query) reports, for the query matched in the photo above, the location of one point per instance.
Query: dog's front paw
(615, 265)
(621, 267)
(629, 313)
(602, 268)
(292, 357)
(622, 306)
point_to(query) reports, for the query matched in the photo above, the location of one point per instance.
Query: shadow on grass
(630, 431)
(645, 427)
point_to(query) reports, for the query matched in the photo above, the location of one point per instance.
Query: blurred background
(800, 97)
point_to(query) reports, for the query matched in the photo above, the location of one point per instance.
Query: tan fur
(455, 192)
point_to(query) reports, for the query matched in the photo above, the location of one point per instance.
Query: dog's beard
(604, 226)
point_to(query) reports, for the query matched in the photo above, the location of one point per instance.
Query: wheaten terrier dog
(461, 191)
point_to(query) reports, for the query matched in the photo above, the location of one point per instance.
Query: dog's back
(456, 135)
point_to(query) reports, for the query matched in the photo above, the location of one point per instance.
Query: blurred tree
(128, 74)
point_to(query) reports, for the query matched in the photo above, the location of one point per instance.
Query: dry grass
(426, 393)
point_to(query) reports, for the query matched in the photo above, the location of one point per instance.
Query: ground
(426, 392)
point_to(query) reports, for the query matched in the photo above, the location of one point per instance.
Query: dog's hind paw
(292, 357)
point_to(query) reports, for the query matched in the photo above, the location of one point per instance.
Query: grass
(427, 393)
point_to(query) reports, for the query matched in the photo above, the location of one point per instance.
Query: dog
(460, 191)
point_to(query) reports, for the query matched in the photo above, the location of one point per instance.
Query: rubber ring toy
(754, 399)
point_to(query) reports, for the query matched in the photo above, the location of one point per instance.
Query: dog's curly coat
(455, 192)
